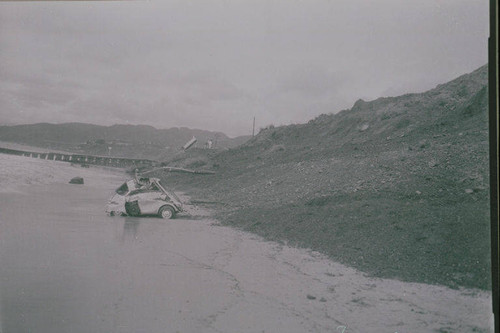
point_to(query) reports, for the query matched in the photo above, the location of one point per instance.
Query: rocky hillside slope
(397, 187)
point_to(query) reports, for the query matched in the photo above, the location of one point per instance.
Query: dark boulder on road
(76, 180)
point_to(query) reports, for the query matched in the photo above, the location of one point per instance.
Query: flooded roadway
(67, 267)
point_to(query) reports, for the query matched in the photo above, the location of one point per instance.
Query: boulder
(76, 180)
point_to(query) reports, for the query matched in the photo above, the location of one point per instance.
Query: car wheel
(116, 213)
(166, 212)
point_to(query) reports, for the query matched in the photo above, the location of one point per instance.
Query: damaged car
(144, 197)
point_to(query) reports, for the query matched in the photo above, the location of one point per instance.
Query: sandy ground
(66, 267)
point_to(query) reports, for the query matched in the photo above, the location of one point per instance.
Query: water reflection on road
(67, 267)
(130, 228)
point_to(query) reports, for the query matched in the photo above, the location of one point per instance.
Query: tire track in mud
(360, 301)
(245, 298)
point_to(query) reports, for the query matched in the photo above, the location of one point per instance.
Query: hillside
(134, 141)
(397, 187)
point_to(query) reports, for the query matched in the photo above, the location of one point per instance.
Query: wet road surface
(67, 267)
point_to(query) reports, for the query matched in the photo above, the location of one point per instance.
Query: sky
(217, 64)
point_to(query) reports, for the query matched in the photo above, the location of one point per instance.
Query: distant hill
(397, 187)
(125, 140)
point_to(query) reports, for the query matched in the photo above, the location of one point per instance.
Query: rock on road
(67, 267)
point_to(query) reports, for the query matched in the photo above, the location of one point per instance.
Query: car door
(150, 202)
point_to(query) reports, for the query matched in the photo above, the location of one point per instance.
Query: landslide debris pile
(397, 187)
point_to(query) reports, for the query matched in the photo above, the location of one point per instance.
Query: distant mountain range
(96, 139)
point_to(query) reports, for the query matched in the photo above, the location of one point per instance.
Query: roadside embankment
(397, 187)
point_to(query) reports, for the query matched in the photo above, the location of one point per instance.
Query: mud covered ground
(396, 187)
(66, 267)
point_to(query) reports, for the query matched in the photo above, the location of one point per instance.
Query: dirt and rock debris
(397, 187)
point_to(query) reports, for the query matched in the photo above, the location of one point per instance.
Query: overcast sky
(215, 64)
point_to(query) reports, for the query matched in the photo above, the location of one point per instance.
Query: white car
(144, 197)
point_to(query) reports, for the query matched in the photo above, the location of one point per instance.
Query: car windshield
(122, 190)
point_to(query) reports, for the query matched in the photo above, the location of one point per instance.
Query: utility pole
(253, 129)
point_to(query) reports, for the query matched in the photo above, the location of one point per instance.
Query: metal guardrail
(117, 162)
